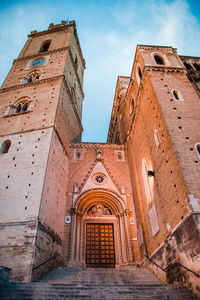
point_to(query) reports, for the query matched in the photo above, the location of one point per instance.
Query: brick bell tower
(40, 108)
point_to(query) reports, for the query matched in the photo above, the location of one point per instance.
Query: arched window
(131, 105)
(20, 106)
(188, 66)
(45, 46)
(5, 146)
(197, 147)
(197, 67)
(156, 138)
(147, 182)
(139, 72)
(177, 95)
(117, 138)
(159, 60)
(76, 63)
(33, 76)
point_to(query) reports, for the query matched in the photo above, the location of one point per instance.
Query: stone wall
(50, 233)
(182, 247)
(17, 248)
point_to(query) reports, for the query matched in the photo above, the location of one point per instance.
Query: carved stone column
(130, 254)
(123, 239)
(77, 237)
(82, 235)
(73, 238)
(119, 240)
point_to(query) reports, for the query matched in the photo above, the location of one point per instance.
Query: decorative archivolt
(95, 197)
(20, 105)
(32, 76)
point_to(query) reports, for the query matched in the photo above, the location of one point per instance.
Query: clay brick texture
(144, 182)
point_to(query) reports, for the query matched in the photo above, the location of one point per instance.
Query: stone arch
(119, 219)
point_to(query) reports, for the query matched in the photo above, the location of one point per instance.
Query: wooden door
(100, 251)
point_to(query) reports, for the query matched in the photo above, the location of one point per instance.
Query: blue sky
(109, 32)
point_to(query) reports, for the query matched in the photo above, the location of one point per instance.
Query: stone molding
(40, 54)
(165, 69)
(23, 85)
(98, 146)
(149, 47)
(19, 223)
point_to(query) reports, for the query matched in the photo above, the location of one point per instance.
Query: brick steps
(95, 284)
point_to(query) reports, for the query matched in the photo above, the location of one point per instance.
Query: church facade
(134, 200)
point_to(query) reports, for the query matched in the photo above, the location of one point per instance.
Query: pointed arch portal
(100, 234)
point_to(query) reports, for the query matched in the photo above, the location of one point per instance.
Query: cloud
(109, 32)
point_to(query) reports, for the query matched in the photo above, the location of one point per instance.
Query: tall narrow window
(197, 147)
(156, 138)
(45, 46)
(76, 63)
(176, 97)
(5, 146)
(117, 138)
(131, 105)
(139, 72)
(159, 60)
(146, 181)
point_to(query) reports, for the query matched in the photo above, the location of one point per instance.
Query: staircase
(95, 284)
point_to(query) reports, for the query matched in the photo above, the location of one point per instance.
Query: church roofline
(155, 46)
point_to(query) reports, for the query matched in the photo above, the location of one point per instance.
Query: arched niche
(118, 217)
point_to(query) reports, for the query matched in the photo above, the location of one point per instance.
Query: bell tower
(41, 110)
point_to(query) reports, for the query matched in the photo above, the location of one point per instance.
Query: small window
(159, 60)
(197, 147)
(45, 46)
(188, 66)
(177, 95)
(5, 146)
(197, 67)
(76, 63)
(156, 138)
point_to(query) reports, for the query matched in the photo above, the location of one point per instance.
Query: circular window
(99, 178)
(37, 62)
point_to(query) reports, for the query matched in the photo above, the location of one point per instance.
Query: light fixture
(151, 173)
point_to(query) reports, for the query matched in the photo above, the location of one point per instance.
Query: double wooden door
(100, 251)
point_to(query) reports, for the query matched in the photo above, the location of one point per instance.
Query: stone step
(95, 284)
(49, 291)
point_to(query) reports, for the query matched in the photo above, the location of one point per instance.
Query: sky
(108, 31)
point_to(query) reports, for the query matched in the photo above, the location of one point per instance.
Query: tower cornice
(40, 54)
